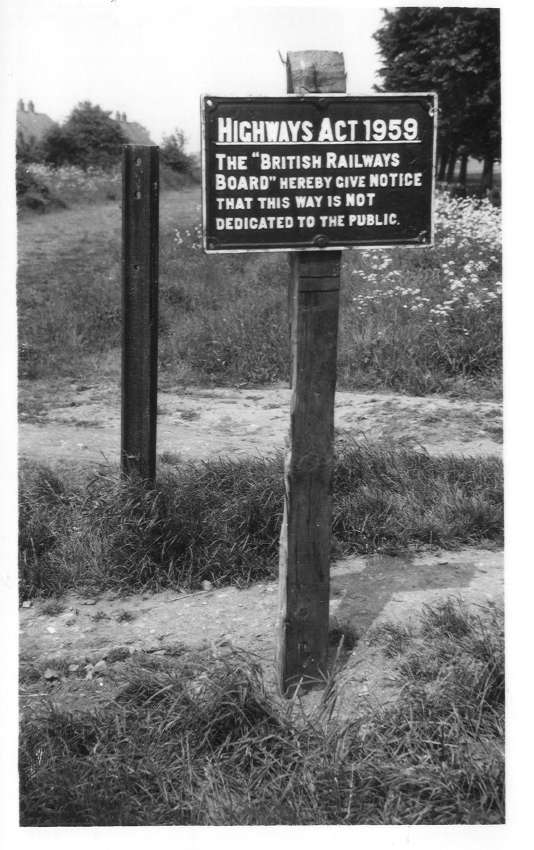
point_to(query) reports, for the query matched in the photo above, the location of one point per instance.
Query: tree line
(455, 52)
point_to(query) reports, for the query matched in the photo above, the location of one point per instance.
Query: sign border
(362, 246)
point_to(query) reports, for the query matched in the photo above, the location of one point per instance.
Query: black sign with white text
(317, 171)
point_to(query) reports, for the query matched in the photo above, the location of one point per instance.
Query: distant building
(134, 132)
(31, 125)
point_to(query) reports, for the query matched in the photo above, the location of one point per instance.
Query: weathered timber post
(306, 529)
(140, 210)
(251, 202)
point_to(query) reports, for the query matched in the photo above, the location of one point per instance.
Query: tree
(454, 51)
(88, 137)
(172, 152)
(58, 147)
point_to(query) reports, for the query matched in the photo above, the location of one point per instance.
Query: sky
(153, 59)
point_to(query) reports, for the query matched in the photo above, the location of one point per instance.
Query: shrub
(172, 153)
(79, 186)
(88, 137)
(33, 193)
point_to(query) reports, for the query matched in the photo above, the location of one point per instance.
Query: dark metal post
(140, 213)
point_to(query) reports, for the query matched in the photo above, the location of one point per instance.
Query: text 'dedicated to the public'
(317, 172)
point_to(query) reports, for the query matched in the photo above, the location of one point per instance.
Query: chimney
(31, 106)
(20, 105)
(124, 116)
(117, 115)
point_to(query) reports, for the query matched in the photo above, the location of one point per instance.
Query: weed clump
(45, 515)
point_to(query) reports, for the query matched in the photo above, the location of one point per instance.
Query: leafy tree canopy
(89, 136)
(454, 51)
(172, 152)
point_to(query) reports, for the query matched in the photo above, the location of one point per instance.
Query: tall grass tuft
(220, 520)
(199, 740)
(46, 517)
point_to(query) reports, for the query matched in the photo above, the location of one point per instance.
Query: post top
(311, 71)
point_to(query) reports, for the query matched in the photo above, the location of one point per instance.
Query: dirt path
(80, 424)
(81, 650)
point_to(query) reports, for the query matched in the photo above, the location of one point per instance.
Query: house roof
(33, 125)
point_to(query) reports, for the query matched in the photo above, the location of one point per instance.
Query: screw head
(321, 241)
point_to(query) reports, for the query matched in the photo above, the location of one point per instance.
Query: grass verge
(199, 740)
(220, 520)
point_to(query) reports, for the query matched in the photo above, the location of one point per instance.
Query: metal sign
(300, 173)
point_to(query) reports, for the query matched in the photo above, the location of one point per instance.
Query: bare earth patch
(80, 424)
(83, 650)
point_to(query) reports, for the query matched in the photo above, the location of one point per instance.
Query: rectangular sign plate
(296, 173)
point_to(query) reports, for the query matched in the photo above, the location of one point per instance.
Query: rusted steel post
(306, 528)
(140, 212)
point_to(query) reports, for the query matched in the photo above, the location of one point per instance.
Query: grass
(413, 320)
(197, 739)
(220, 520)
(393, 638)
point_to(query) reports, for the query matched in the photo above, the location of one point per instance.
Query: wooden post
(306, 528)
(140, 209)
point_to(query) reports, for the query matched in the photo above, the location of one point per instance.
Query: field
(413, 320)
(184, 725)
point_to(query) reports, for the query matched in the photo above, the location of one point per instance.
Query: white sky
(153, 58)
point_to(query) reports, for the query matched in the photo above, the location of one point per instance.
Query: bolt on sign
(297, 173)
